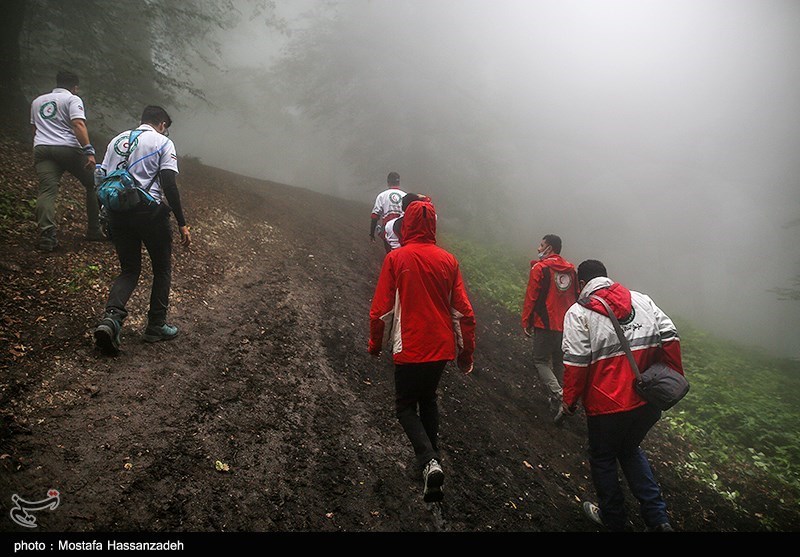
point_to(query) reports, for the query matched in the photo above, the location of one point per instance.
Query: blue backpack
(119, 191)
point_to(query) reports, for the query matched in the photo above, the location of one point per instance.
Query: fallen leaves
(221, 466)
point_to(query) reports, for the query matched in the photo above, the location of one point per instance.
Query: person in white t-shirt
(153, 162)
(61, 144)
(394, 228)
(388, 206)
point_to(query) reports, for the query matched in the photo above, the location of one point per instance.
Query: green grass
(491, 272)
(743, 410)
(744, 405)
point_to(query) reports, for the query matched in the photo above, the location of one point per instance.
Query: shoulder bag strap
(621, 335)
(132, 136)
(155, 177)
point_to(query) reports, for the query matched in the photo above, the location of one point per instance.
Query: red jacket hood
(616, 296)
(419, 223)
(555, 262)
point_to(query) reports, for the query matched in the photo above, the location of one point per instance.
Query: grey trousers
(51, 161)
(549, 359)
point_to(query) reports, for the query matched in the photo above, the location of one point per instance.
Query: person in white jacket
(597, 373)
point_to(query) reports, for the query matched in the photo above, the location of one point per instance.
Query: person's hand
(91, 162)
(567, 410)
(527, 331)
(465, 363)
(186, 237)
(374, 349)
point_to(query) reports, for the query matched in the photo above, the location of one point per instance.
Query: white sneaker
(434, 478)
(592, 512)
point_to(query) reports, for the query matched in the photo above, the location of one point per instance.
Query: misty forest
(658, 136)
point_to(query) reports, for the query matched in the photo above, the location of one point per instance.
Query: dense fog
(660, 136)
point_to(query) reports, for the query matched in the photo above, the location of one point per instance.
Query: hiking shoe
(106, 336)
(558, 419)
(154, 333)
(434, 478)
(47, 244)
(664, 527)
(47, 240)
(592, 511)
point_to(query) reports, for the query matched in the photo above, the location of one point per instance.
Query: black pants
(415, 386)
(129, 231)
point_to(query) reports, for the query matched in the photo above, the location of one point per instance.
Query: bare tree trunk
(13, 106)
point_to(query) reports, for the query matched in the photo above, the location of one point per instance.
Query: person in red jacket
(552, 289)
(421, 308)
(597, 371)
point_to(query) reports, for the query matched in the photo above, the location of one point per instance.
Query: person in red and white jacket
(422, 311)
(597, 372)
(552, 289)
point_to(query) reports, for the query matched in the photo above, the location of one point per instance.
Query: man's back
(422, 283)
(388, 204)
(591, 342)
(52, 115)
(151, 153)
(552, 289)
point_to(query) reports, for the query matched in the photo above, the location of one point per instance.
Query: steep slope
(270, 376)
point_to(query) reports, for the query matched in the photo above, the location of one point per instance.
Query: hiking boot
(433, 478)
(47, 242)
(556, 410)
(664, 527)
(154, 333)
(106, 336)
(558, 419)
(592, 511)
(47, 239)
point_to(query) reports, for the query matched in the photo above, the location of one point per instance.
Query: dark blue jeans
(415, 387)
(128, 232)
(615, 438)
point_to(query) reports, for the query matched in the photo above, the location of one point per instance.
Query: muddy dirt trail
(270, 376)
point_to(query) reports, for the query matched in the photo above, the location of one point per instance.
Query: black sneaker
(154, 333)
(434, 478)
(106, 337)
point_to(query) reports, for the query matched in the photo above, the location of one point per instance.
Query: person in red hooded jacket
(597, 371)
(421, 308)
(552, 289)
